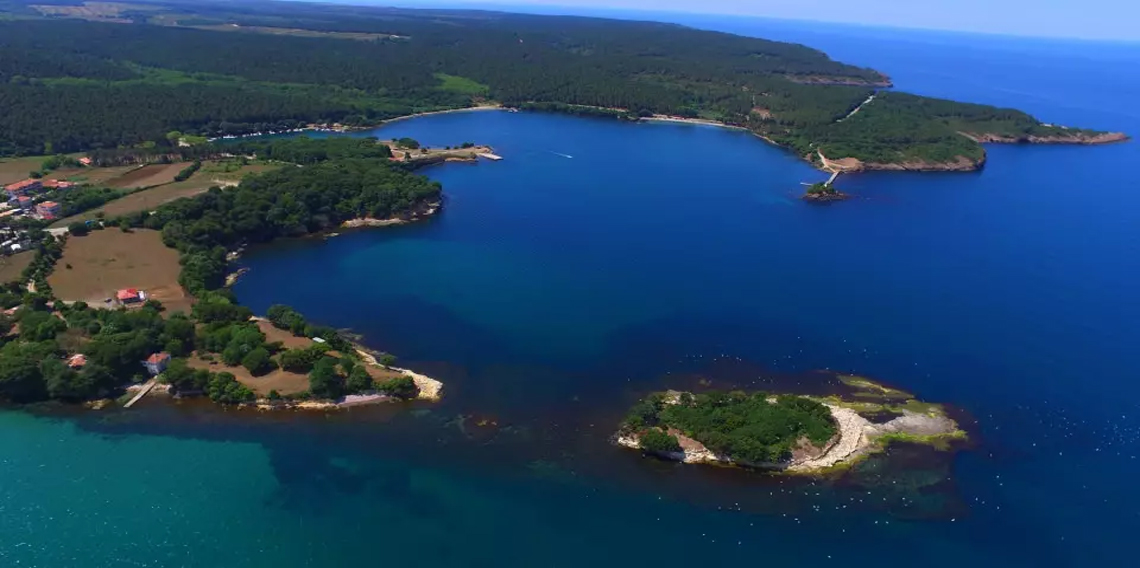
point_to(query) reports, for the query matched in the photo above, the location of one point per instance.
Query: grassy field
(15, 169)
(109, 260)
(12, 266)
(211, 174)
(148, 176)
(92, 176)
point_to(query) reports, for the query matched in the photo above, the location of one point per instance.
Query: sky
(1083, 19)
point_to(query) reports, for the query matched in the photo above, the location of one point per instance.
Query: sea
(601, 260)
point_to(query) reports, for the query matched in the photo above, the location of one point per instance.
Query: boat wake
(561, 154)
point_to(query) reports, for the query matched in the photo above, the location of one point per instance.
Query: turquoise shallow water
(554, 289)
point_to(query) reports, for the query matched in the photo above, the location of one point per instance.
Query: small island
(823, 192)
(784, 432)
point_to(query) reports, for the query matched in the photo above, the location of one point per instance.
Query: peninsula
(786, 433)
(214, 70)
(169, 319)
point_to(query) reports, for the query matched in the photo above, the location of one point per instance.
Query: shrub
(659, 442)
(399, 387)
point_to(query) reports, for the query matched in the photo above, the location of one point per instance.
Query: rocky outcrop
(1062, 138)
(422, 211)
(825, 196)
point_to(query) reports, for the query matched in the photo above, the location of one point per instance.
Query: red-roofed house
(85, 161)
(24, 202)
(58, 184)
(157, 363)
(23, 187)
(49, 210)
(129, 296)
(77, 361)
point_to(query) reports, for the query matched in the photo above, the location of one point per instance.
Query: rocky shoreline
(418, 214)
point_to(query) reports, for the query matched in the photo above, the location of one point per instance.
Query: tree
(300, 360)
(399, 387)
(38, 325)
(67, 384)
(358, 380)
(78, 228)
(659, 442)
(258, 362)
(225, 388)
(324, 382)
(20, 376)
(233, 354)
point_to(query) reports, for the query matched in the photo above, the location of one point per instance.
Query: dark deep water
(554, 289)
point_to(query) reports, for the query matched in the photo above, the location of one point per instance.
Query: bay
(601, 260)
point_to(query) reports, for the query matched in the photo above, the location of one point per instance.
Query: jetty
(490, 156)
(146, 388)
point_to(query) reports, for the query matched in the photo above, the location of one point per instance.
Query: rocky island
(823, 193)
(783, 432)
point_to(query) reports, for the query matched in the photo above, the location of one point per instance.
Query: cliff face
(1074, 138)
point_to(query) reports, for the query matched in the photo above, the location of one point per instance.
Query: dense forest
(205, 68)
(750, 428)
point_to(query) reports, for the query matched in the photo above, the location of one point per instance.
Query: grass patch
(871, 389)
(11, 267)
(462, 85)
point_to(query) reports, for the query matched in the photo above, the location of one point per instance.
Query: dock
(490, 156)
(142, 392)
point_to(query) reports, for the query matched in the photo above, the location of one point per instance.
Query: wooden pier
(146, 388)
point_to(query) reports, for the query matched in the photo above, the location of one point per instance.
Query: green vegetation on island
(792, 433)
(748, 428)
(353, 65)
(823, 192)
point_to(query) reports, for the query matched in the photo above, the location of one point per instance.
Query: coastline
(476, 108)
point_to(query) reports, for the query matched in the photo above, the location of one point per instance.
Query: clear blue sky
(1086, 19)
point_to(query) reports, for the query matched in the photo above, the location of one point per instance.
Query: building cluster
(22, 197)
(13, 241)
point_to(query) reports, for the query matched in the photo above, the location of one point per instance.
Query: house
(23, 187)
(157, 363)
(57, 184)
(24, 202)
(130, 296)
(85, 161)
(77, 361)
(49, 210)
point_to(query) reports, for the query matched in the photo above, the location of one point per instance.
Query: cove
(552, 291)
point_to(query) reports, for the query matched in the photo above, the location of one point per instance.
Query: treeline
(69, 85)
(218, 83)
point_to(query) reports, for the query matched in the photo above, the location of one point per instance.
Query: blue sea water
(602, 259)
